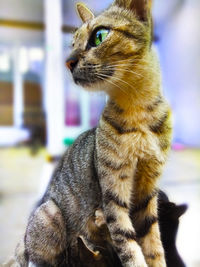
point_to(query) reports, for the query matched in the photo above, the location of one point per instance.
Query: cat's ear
(142, 8)
(84, 12)
(179, 210)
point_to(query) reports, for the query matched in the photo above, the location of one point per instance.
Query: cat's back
(74, 185)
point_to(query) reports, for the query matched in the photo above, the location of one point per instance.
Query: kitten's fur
(116, 166)
(169, 214)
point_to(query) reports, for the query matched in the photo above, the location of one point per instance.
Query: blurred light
(24, 61)
(36, 54)
(4, 62)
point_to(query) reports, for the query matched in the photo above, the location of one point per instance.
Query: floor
(23, 177)
(181, 181)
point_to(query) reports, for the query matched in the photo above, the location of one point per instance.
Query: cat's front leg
(144, 211)
(116, 179)
(122, 233)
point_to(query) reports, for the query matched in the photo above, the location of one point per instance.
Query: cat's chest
(141, 145)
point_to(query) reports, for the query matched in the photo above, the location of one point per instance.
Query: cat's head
(109, 50)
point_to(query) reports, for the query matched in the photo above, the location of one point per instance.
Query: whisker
(101, 65)
(130, 60)
(110, 63)
(120, 65)
(126, 65)
(109, 81)
(116, 78)
(130, 71)
(117, 62)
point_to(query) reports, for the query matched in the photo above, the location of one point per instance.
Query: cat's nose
(71, 63)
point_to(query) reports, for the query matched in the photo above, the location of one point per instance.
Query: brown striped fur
(116, 167)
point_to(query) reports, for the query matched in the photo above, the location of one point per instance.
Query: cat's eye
(98, 37)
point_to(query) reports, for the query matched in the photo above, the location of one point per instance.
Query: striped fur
(169, 214)
(116, 167)
(137, 117)
(48, 220)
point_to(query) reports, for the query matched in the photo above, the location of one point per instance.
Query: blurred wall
(177, 27)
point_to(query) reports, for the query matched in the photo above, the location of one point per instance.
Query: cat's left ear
(179, 210)
(142, 8)
(84, 12)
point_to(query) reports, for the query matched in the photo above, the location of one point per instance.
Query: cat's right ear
(142, 8)
(84, 12)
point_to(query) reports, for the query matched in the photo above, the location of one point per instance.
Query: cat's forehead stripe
(81, 36)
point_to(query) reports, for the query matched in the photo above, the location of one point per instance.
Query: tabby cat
(168, 217)
(112, 170)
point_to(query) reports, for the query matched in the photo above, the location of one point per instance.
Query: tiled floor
(23, 176)
(20, 175)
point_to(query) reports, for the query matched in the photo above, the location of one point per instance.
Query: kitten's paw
(99, 218)
(88, 249)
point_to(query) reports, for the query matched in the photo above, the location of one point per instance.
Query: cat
(169, 214)
(116, 166)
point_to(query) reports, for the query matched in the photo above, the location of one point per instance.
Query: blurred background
(42, 111)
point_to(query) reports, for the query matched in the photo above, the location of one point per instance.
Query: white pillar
(54, 88)
(85, 110)
(18, 94)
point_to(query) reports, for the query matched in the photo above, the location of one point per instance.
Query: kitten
(169, 214)
(115, 167)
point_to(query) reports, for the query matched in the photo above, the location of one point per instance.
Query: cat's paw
(87, 249)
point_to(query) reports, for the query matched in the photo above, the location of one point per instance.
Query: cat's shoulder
(83, 144)
(85, 138)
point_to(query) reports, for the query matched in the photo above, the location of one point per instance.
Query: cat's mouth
(85, 81)
(89, 77)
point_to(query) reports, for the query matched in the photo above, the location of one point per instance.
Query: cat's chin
(86, 85)
(90, 86)
(83, 82)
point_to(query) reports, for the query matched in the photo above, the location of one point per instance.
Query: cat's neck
(135, 110)
(132, 116)
(140, 105)
(138, 88)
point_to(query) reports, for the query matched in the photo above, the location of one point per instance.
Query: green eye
(98, 37)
